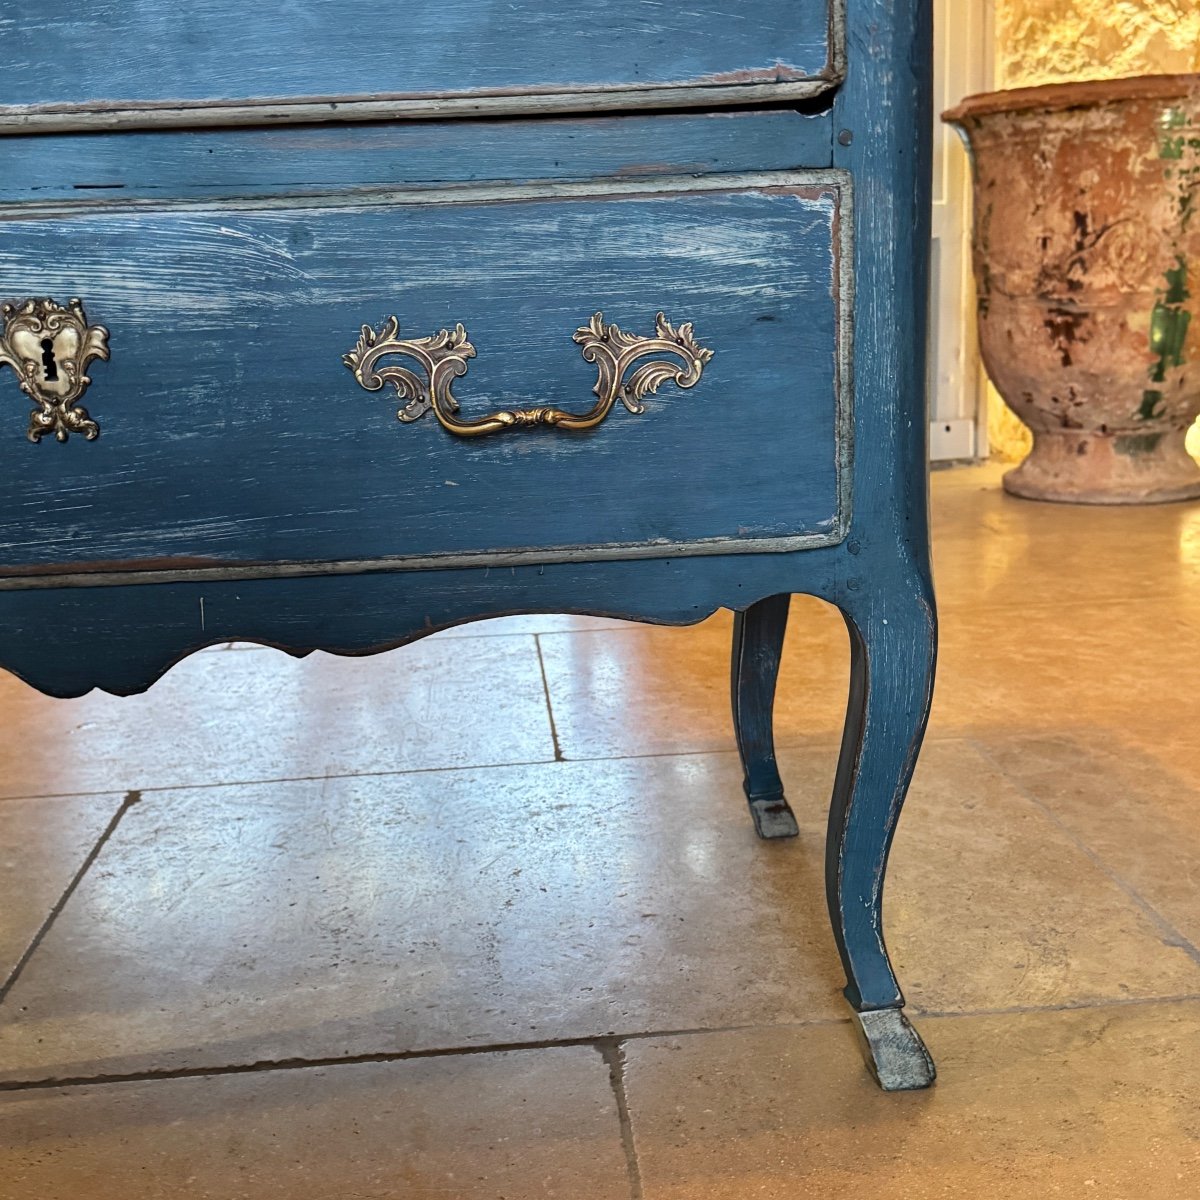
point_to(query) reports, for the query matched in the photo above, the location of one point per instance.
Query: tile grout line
(613, 1052)
(267, 781)
(593, 1041)
(1097, 1004)
(558, 754)
(1172, 936)
(130, 799)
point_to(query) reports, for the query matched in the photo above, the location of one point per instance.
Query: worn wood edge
(428, 562)
(376, 196)
(1054, 97)
(199, 114)
(894, 1051)
(837, 41)
(844, 366)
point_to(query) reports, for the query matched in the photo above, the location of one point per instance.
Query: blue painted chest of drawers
(314, 320)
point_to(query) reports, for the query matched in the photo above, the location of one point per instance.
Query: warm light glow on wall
(1056, 41)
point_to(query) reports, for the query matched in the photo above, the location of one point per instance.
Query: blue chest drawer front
(223, 61)
(259, 163)
(233, 436)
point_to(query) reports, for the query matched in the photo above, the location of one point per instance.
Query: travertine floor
(485, 917)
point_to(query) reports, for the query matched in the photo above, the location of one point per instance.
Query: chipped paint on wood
(228, 324)
(67, 65)
(262, 408)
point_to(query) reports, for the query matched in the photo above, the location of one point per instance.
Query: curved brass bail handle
(443, 358)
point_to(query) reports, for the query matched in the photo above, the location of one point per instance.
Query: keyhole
(48, 363)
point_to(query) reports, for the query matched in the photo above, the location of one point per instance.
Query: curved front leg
(757, 649)
(893, 640)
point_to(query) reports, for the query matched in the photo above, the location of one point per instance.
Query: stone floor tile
(993, 549)
(1053, 615)
(1011, 652)
(436, 909)
(479, 1127)
(1077, 1105)
(1086, 669)
(1136, 810)
(990, 905)
(43, 843)
(649, 689)
(226, 717)
(515, 905)
(655, 690)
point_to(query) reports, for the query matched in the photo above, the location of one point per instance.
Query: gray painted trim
(425, 562)
(112, 116)
(465, 193)
(838, 179)
(844, 419)
(837, 41)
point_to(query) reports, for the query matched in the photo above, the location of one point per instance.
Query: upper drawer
(249, 422)
(129, 63)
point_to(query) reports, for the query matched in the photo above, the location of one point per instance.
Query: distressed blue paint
(331, 159)
(758, 634)
(227, 333)
(65, 52)
(887, 593)
(236, 433)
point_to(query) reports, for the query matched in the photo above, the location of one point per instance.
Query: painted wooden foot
(773, 817)
(894, 1051)
(893, 640)
(757, 648)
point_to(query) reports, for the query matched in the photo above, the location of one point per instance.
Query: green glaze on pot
(1169, 323)
(1085, 234)
(1170, 320)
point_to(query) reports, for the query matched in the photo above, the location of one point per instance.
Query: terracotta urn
(1087, 270)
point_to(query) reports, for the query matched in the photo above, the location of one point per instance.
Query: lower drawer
(234, 438)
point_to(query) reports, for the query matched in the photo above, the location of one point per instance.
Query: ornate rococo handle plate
(443, 358)
(50, 347)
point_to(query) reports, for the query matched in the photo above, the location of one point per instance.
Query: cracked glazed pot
(1087, 265)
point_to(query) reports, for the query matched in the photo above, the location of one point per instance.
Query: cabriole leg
(757, 648)
(893, 640)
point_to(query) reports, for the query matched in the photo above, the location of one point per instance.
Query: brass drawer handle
(443, 357)
(50, 347)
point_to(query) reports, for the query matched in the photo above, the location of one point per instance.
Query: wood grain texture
(324, 160)
(227, 333)
(125, 53)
